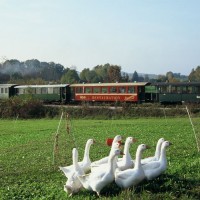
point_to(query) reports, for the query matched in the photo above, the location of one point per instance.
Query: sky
(147, 36)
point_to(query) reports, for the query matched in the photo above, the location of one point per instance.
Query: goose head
(115, 146)
(116, 152)
(160, 141)
(130, 140)
(117, 138)
(68, 189)
(142, 147)
(90, 142)
(166, 144)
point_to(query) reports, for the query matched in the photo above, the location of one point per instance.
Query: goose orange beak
(134, 140)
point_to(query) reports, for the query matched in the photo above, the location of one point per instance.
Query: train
(131, 92)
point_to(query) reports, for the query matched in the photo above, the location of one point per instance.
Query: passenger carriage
(45, 93)
(174, 92)
(7, 91)
(109, 92)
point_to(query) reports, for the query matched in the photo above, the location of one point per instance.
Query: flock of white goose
(125, 171)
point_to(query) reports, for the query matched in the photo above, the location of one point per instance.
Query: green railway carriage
(7, 91)
(174, 92)
(45, 93)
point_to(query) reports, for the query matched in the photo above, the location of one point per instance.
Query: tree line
(36, 72)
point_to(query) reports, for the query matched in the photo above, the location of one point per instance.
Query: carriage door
(141, 94)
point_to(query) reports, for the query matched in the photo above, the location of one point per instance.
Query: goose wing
(151, 165)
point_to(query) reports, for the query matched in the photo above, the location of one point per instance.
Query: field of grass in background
(29, 166)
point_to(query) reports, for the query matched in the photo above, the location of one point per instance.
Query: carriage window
(179, 89)
(184, 89)
(131, 89)
(79, 90)
(169, 89)
(38, 90)
(163, 89)
(122, 89)
(104, 90)
(20, 91)
(43, 90)
(56, 90)
(197, 89)
(50, 90)
(88, 90)
(96, 89)
(174, 89)
(189, 89)
(113, 90)
(31, 90)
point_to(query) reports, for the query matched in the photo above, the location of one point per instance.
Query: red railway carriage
(109, 92)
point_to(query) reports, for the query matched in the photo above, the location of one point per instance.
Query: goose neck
(75, 161)
(86, 152)
(158, 150)
(111, 164)
(138, 158)
(163, 155)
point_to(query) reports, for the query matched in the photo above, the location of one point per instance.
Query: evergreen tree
(135, 77)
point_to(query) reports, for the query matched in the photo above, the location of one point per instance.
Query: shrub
(23, 108)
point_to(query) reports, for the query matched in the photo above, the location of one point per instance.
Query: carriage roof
(7, 85)
(177, 84)
(109, 84)
(42, 86)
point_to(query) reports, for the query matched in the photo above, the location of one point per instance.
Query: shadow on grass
(164, 184)
(171, 184)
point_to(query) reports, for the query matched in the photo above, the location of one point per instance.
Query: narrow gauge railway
(137, 92)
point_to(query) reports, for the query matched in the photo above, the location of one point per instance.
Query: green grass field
(29, 166)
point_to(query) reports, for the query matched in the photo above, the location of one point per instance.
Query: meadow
(29, 161)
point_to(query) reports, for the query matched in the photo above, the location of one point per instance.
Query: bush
(23, 108)
(30, 108)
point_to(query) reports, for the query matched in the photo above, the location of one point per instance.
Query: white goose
(97, 181)
(73, 184)
(84, 164)
(154, 168)
(103, 167)
(157, 153)
(104, 160)
(126, 161)
(132, 177)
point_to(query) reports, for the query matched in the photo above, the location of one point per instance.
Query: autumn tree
(114, 73)
(195, 75)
